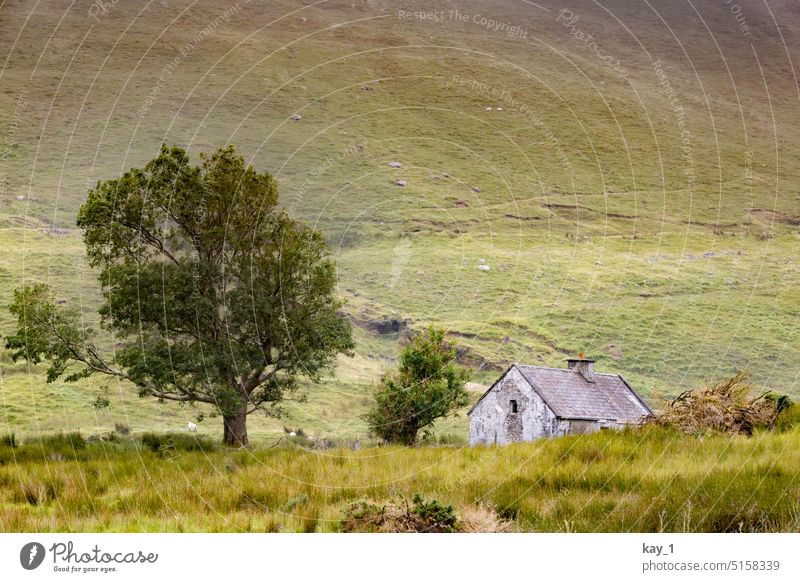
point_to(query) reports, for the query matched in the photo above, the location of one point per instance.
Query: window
(514, 406)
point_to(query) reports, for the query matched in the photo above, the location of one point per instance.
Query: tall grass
(643, 481)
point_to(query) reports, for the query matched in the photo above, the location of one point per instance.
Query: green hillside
(633, 190)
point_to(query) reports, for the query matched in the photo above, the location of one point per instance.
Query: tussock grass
(650, 480)
(170, 443)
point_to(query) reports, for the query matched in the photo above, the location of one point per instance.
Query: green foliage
(362, 515)
(217, 295)
(101, 401)
(422, 516)
(426, 386)
(781, 402)
(47, 332)
(436, 516)
(789, 418)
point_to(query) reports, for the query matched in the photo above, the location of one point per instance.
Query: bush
(425, 516)
(436, 516)
(425, 387)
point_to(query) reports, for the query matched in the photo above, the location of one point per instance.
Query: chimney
(583, 366)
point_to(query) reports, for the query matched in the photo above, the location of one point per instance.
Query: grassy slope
(595, 238)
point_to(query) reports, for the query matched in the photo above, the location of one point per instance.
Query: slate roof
(569, 395)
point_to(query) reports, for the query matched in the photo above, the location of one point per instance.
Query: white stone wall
(590, 426)
(492, 421)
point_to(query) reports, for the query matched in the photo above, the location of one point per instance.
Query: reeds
(639, 480)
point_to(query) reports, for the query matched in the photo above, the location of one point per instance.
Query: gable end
(496, 382)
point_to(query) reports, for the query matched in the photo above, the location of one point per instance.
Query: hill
(628, 172)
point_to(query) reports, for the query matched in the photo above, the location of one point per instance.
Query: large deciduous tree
(211, 293)
(426, 386)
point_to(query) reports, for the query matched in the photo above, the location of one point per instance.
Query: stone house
(531, 402)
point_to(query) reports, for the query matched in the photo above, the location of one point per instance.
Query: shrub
(424, 516)
(436, 516)
(426, 386)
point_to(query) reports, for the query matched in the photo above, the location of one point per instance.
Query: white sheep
(191, 426)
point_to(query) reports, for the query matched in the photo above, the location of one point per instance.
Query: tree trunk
(235, 428)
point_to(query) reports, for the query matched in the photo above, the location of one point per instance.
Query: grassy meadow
(650, 481)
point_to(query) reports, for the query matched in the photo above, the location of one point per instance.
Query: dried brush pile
(724, 407)
(421, 516)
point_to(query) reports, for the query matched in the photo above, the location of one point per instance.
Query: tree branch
(96, 363)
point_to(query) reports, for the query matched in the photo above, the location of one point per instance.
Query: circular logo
(31, 555)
